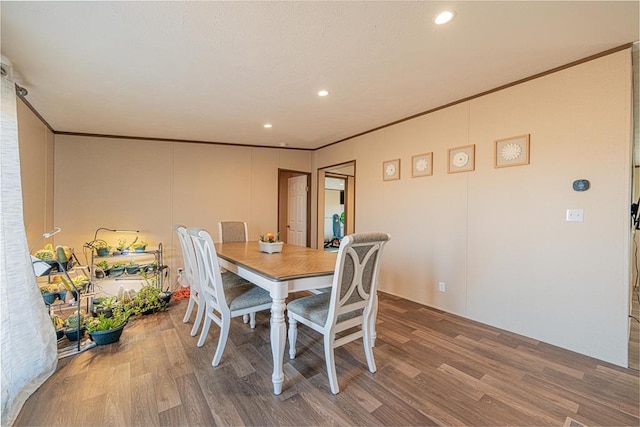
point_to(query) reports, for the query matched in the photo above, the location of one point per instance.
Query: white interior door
(297, 212)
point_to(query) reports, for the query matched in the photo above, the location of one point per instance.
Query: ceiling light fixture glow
(323, 93)
(268, 126)
(444, 17)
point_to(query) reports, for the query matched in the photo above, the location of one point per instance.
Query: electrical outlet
(575, 215)
(442, 287)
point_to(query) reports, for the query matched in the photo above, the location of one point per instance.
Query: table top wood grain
(293, 262)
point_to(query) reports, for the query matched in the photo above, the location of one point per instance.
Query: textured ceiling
(217, 71)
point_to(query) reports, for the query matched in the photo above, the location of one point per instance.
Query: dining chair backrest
(209, 275)
(188, 257)
(355, 278)
(232, 231)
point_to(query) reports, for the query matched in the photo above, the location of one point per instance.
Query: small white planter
(270, 248)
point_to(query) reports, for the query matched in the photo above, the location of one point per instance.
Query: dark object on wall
(342, 197)
(581, 185)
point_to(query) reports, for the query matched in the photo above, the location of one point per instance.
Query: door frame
(283, 201)
(350, 198)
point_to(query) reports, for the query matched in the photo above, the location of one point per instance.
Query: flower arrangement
(270, 238)
(270, 243)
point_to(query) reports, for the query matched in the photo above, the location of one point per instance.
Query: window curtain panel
(29, 350)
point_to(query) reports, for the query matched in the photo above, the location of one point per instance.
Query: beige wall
(151, 185)
(36, 166)
(498, 237)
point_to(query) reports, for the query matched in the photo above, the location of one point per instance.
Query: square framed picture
(462, 159)
(422, 165)
(391, 170)
(513, 151)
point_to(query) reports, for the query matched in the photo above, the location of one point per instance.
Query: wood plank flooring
(434, 368)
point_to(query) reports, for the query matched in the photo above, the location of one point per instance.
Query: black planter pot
(97, 311)
(59, 333)
(165, 297)
(107, 337)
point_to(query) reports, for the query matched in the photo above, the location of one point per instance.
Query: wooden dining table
(296, 268)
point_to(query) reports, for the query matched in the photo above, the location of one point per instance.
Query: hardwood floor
(434, 368)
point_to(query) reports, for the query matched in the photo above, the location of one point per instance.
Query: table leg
(278, 337)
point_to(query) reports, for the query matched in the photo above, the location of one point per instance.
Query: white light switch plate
(575, 215)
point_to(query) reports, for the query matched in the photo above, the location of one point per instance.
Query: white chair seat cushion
(245, 295)
(316, 308)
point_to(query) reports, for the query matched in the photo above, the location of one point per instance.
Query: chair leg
(187, 315)
(368, 348)
(252, 323)
(205, 331)
(196, 323)
(245, 318)
(222, 341)
(331, 363)
(293, 337)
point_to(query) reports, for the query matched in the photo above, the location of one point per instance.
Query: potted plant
(117, 268)
(49, 293)
(80, 282)
(139, 246)
(149, 268)
(122, 247)
(270, 243)
(106, 330)
(58, 325)
(102, 248)
(72, 324)
(132, 268)
(104, 306)
(102, 270)
(148, 299)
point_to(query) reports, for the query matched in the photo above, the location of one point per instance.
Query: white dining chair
(187, 277)
(222, 302)
(350, 305)
(233, 231)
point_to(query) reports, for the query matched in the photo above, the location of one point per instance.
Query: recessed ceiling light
(444, 17)
(323, 93)
(268, 125)
(283, 144)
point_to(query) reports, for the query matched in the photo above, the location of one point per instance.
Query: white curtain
(29, 352)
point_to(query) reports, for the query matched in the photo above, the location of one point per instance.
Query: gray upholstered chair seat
(246, 295)
(316, 308)
(230, 279)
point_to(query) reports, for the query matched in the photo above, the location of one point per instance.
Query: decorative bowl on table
(270, 248)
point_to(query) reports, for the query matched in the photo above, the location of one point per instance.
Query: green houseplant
(102, 248)
(132, 267)
(74, 324)
(139, 246)
(103, 269)
(117, 268)
(106, 330)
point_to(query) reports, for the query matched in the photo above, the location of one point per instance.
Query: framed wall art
(422, 165)
(391, 170)
(513, 151)
(462, 159)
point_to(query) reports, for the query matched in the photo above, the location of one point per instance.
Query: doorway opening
(336, 204)
(294, 207)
